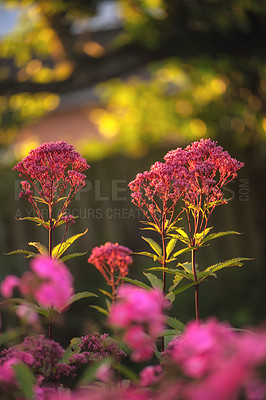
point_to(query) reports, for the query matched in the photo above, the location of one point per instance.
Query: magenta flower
(49, 283)
(150, 375)
(52, 170)
(112, 260)
(220, 361)
(8, 285)
(207, 168)
(139, 314)
(157, 191)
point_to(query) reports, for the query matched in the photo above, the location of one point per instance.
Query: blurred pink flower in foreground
(220, 361)
(49, 283)
(139, 313)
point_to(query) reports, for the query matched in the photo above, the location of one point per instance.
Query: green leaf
(38, 221)
(219, 234)
(169, 332)
(59, 249)
(72, 255)
(170, 247)
(183, 288)
(136, 282)
(145, 253)
(42, 249)
(101, 310)
(181, 235)
(154, 280)
(25, 379)
(177, 279)
(43, 311)
(182, 251)
(28, 254)
(126, 372)
(175, 324)
(10, 335)
(106, 293)
(201, 235)
(154, 245)
(170, 296)
(187, 266)
(79, 296)
(173, 271)
(234, 262)
(153, 226)
(40, 200)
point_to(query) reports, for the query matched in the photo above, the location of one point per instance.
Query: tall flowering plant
(52, 175)
(194, 176)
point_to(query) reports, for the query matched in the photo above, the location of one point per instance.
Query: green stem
(193, 253)
(50, 327)
(164, 276)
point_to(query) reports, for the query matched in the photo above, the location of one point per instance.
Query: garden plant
(147, 354)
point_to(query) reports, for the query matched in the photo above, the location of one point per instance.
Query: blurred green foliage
(183, 101)
(203, 75)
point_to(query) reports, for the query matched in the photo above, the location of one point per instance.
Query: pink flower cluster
(112, 260)
(195, 174)
(157, 191)
(49, 170)
(49, 283)
(139, 314)
(216, 362)
(208, 169)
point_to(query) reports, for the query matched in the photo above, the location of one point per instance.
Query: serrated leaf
(72, 255)
(201, 235)
(153, 226)
(100, 309)
(182, 251)
(183, 288)
(181, 235)
(154, 245)
(177, 279)
(176, 324)
(234, 262)
(219, 234)
(38, 221)
(135, 282)
(29, 254)
(59, 249)
(25, 378)
(173, 271)
(42, 249)
(79, 296)
(170, 247)
(154, 280)
(187, 266)
(145, 253)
